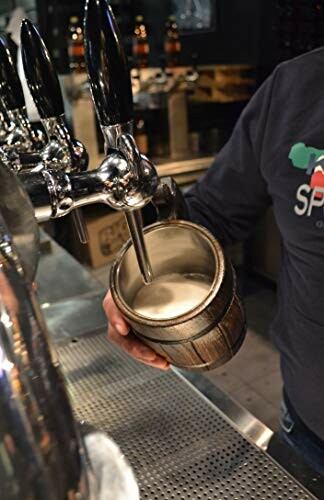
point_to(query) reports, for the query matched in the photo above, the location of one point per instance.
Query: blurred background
(234, 45)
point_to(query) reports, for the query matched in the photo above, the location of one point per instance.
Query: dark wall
(155, 14)
(54, 18)
(236, 36)
(242, 33)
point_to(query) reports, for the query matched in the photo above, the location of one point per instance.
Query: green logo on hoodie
(311, 195)
(306, 157)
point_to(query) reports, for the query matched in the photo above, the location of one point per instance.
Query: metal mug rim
(132, 315)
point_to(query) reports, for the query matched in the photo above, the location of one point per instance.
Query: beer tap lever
(107, 66)
(22, 137)
(10, 85)
(40, 73)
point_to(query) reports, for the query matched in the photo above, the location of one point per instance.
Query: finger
(159, 363)
(135, 348)
(132, 345)
(114, 316)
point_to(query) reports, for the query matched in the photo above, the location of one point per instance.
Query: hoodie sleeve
(232, 195)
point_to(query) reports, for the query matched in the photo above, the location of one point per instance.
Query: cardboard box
(229, 83)
(107, 233)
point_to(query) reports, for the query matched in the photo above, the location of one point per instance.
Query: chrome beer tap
(21, 136)
(137, 185)
(112, 95)
(111, 89)
(63, 151)
(6, 125)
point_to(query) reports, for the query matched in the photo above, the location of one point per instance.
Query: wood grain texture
(215, 344)
(208, 334)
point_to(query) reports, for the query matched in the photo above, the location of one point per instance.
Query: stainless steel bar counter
(182, 443)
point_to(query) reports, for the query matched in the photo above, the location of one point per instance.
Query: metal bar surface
(179, 443)
(60, 277)
(254, 430)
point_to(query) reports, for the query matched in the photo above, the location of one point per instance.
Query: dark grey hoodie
(276, 156)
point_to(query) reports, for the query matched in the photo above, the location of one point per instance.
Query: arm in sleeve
(232, 195)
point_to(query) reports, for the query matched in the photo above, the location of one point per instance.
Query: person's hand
(119, 333)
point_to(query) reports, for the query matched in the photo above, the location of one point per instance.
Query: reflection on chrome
(44, 454)
(21, 136)
(40, 450)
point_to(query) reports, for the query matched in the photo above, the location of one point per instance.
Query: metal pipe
(135, 226)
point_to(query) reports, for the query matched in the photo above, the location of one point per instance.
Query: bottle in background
(141, 47)
(141, 137)
(172, 44)
(75, 46)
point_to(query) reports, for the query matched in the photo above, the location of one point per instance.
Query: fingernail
(166, 366)
(147, 354)
(121, 329)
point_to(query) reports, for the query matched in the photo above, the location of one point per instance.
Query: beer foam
(171, 295)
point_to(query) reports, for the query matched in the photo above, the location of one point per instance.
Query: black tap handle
(11, 90)
(107, 65)
(41, 76)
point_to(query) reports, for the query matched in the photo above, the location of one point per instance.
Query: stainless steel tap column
(40, 448)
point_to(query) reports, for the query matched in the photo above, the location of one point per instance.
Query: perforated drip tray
(178, 443)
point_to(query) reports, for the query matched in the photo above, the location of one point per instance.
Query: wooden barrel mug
(210, 333)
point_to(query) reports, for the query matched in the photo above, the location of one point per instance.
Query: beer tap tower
(43, 453)
(126, 180)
